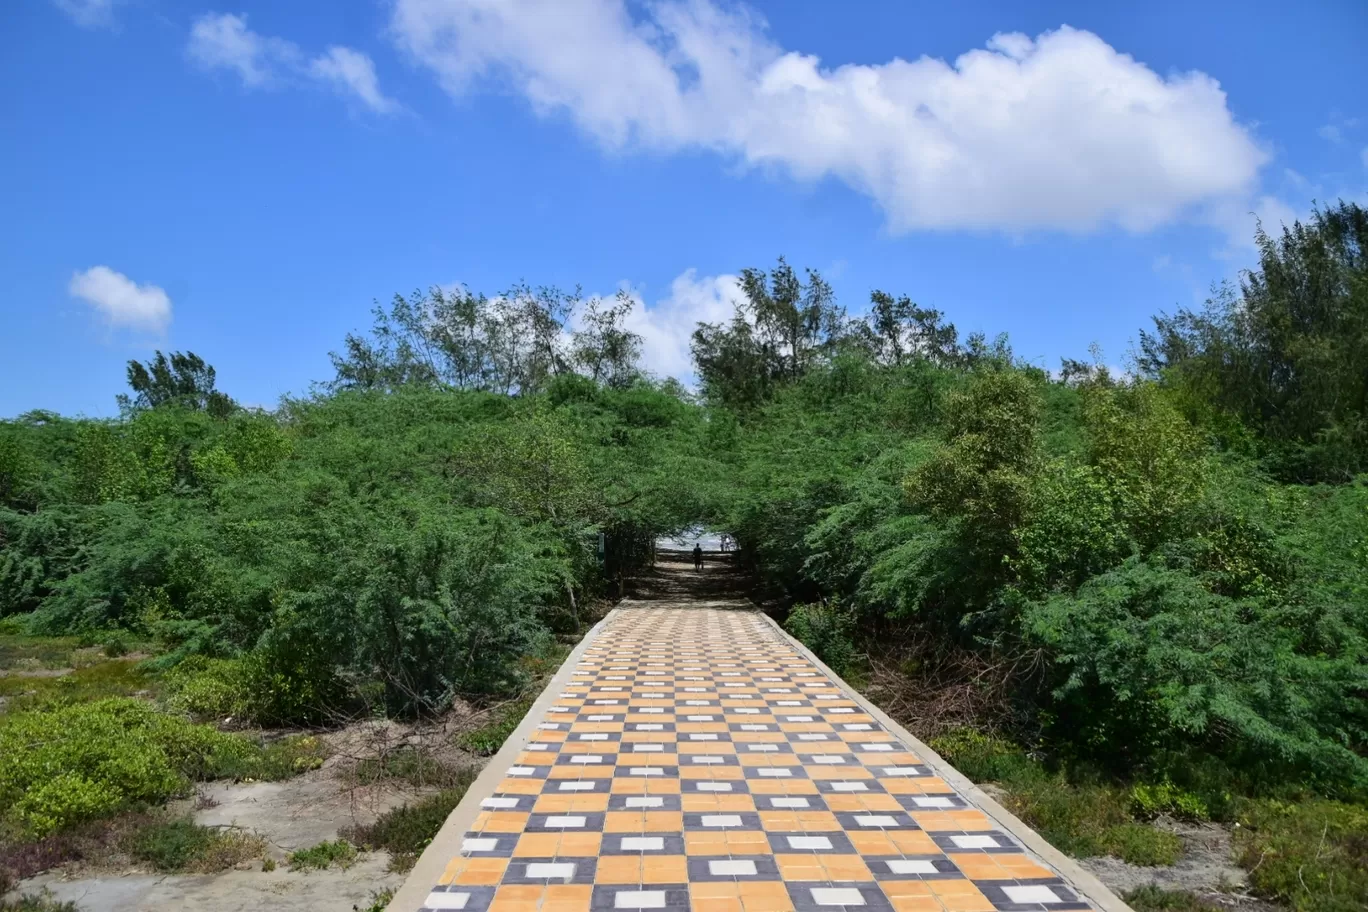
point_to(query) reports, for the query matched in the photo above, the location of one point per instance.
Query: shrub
(37, 902)
(379, 901)
(1151, 898)
(324, 855)
(488, 738)
(1150, 800)
(1312, 856)
(408, 764)
(405, 831)
(182, 845)
(826, 629)
(63, 765)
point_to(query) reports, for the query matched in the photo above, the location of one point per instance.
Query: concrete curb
(446, 845)
(1088, 886)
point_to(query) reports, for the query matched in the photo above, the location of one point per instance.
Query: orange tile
(519, 786)
(499, 822)
(663, 869)
(516, 898)
(800, 867)
(942, 821)
(701, 803)
(980, 866)
(716, 897)
(846, 867)
(537, 845)
(764, 897)
(960, 896)
(870, 801)
(619, 869)
(484, 871)
(579, 845)
(566, 898)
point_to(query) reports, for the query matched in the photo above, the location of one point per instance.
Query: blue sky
(242, 180)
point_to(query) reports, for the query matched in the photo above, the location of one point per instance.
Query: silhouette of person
(698, 557)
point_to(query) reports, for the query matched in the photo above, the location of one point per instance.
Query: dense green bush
(67, 764)
(827, 630)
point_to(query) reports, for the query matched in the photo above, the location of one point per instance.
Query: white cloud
(223, 41)
(120, 300)
(1331, 133)
(88, 13)
(667, 326)
(1057, 132)
(352, 73)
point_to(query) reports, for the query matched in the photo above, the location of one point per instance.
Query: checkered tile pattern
(697, 761)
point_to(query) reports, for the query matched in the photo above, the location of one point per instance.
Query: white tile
(639, 899)
(499, 801)
(840, 709)
(437, 900)
(593, 737)
(699, 718)
(828, 759)
(910, 866)
(577, 786)
(552, 725)
(551, 870)
(837, 896)
(747, 711)
(601, 717)
(648, 748)
(565, 821)
(647, 771)
(704, 758)
(644, 801)
(650, 726)
(808, 842)
(876, 820)
(857, 726)
(901, 771)
(714, 787)
(781, 802)
(849, 787)
(643, 843)
(651, 710)
(586, 758)
(731, 868)
(877, 747)
(775, 772)
(764, 748)
(812, 736)
(707, 736)
(932, 802)
(754, 727)
(479, 845)
(520, 771)
(975, 842)
(1032, 894)
(721, 820)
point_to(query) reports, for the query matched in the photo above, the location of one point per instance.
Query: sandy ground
(290, 815)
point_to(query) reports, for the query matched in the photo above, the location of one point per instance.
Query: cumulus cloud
(667, 325)
(223, 41)
(1060, 131)
(88, 13)
(120, 300)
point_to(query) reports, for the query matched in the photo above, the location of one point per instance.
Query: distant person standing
(698, 557)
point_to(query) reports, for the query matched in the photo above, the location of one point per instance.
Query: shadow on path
(674, 583)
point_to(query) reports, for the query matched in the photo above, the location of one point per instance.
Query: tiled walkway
(697, 760)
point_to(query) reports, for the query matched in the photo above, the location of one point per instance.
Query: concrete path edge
(1086, 884)
(446, 845)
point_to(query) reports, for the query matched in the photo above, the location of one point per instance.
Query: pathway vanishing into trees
(689, 755)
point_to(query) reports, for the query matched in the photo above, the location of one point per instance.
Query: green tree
(183, 379)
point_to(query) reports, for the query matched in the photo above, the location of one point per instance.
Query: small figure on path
(698, 557)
